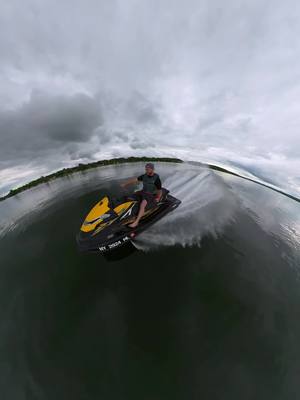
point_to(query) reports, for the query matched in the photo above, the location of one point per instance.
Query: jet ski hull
(119, 234)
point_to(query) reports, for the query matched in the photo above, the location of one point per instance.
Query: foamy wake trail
(207, 207)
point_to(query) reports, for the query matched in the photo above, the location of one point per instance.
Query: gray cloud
(46, 123)
(140, 144)
(63, 118)
(142, 110)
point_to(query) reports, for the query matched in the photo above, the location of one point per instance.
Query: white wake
(207, 207)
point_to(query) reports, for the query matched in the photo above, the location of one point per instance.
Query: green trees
(84, 167)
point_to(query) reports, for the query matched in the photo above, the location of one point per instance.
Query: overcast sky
(204, 80)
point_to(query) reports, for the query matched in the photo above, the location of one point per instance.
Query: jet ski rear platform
(106, 229)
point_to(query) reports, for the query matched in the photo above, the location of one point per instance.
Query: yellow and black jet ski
(106, 226)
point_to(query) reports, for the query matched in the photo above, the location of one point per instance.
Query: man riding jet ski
(114, 222)
(150, 193)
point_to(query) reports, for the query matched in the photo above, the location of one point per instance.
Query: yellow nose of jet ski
(96, 215)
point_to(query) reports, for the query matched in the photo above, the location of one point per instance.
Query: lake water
(209, 308)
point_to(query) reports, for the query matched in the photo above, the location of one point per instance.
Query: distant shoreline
(84, 167)
(115, 161)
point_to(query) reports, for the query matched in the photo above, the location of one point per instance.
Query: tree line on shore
(84, 167)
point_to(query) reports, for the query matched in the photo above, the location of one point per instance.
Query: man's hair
(149, 165)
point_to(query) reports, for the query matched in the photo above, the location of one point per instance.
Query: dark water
(210, 309)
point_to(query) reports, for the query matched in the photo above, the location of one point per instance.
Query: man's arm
(158, 187)
(130, 181)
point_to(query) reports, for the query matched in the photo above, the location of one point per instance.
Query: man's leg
(140, 214)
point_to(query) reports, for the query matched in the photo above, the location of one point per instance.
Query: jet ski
(105, 228)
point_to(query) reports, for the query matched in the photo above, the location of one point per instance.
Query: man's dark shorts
(149, 197)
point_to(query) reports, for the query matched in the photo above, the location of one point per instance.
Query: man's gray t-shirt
(150, 183)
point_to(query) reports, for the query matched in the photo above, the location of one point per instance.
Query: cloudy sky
(203, 80)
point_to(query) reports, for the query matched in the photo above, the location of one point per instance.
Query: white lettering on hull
(113, 245)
